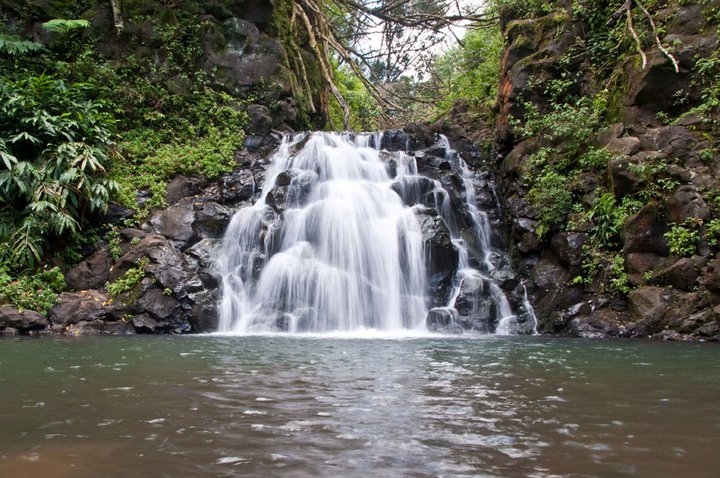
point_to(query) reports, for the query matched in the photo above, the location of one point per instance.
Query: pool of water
(319, 406)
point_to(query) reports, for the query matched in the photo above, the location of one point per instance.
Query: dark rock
(260, 119)
(626, 146)
(395, 140)
(203, 315)
(644, 232)
(144, 324)
(92, 273)
(548, 275)
(175, 223)
(640, 263)
(121, 327)
(624, 178)
(682, 274)
(9, 332)
(211, 219)
(182, 187)
(441, 256)
(686, 203)
(236, 187)
(711, 279)
(25, 320)
(158, 303)
(85, 306)
(443, 319)
(649, 305)
(83, 328)
(568, 248)
(600, 324)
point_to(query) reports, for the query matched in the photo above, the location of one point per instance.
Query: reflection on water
(283, 406)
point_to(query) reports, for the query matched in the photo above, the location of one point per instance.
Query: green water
(291, 406)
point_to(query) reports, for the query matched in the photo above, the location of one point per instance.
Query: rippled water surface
(303, 406)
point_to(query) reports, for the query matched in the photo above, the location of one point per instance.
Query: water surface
(304, 406)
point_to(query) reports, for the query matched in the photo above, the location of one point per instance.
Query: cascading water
(334, 242)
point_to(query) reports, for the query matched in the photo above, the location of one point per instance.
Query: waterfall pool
(357, 407)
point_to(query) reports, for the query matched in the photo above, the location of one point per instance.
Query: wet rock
(686, 203)
(624, 176)
(203, 315)
(121, 327)
(443, 319)
(144, 324)
(626, 146)
(211, 219)
(236, 187)
(92, 273)
(441, 256)
(158, 303)
(85, 306)
(84, 328)
(711, 279)
(395, 140)
(600, 324)
(24, 321)
(644, 232)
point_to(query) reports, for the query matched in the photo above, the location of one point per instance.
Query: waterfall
(335, 242)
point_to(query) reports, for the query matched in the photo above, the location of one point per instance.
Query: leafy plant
(36, 292)
(53, 145)
(129, 280)
(552, 198)
(682, 238)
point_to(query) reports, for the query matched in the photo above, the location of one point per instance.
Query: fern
(60, 25)
(15, 46)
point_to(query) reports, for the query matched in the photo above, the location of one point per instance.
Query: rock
(121, 327)
(260, 119)
(711, 280)
(246, 57)
(92, 273)
(236, 187)
(83, 328)
(568, 248)
(85, 306)
(600, 324)
(441, 257)
(181, 187)
(203, 315)
(158, 304)
(686, 203)
(644, 232)
(649, 306)
(624, 178)
(640, 263)
(175, 223)
(144, 324)
(626, 146)
(682, 274)
(211, 219)
(548, 275)
(24, 321)
(443, 319)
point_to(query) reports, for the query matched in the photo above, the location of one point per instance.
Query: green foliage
(53, 145)
(36, 292)
(129, 280)
(552, 198)
(364, 110)
(470, 71)
(712, 234)
(14, 46)
(608, 218)
(683, 238)
(60, 25)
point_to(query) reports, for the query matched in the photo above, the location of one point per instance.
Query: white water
(347, 253)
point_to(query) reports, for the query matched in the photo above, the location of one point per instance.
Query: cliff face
(610, 169)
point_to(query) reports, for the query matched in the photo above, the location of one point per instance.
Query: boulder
(260, 119)
(644, 232)
(181, 187)
(686, 203)
(22, 320)
(84, 306)
(682, 274)
(92, 273)
(144, 324)
(83, 328)
(568, 248)
(176, 223)
(211, 219)
(443, 319)
(548, 275)
(649, 305)
(441, 257)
